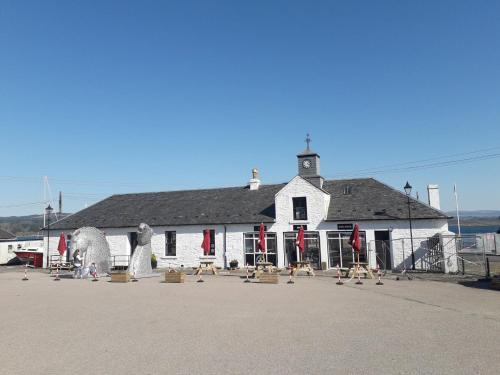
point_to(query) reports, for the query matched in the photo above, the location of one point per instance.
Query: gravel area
(224, 326)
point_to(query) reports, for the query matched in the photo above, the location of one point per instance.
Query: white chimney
(433, 193)
(254, 181)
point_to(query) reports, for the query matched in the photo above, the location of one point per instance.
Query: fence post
(488, 275)
(484, 258)
(463, 265)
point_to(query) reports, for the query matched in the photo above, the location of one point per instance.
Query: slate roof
(369, 200)
(5, 235)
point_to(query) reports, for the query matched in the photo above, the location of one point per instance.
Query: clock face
(306, 164)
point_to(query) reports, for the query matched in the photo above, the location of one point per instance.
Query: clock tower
(308, 163)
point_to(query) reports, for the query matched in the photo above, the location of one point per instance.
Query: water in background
(474, 229)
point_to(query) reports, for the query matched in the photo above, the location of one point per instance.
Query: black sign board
(256, 228)
(345, 227)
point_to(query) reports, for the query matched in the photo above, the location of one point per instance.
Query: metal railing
(119, 262)
(471, 254)
(478, 254)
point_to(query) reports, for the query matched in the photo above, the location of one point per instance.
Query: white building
(327, 209)
(9, 244)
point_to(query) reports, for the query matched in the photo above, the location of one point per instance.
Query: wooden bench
(304, 267)
(67, 266)
(207, 266)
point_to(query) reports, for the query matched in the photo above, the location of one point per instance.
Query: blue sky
(125, 96)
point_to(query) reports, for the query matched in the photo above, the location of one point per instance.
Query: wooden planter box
(120, 277)
(174, 277)
(268, 278)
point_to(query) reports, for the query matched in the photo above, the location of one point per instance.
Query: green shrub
(154, 262)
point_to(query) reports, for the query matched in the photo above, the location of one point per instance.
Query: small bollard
(379, 274)
(339, 282)
(359, 282)
(247, 280)
(290, 280)
(57, 274)
(25, 278)
(134, 279)
(200, 280)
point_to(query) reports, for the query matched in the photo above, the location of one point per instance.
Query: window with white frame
(339, 250)
(252, 252)
(299, 208)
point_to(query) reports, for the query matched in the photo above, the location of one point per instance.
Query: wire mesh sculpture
(93, 249)
(140, 263)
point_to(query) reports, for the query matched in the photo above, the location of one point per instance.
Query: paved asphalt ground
(224, 326)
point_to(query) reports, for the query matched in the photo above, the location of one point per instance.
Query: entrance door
(132, 238)
(383, 249)
(311, 249)
(290, 248)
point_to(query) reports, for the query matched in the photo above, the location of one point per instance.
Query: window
(347, 190)
(212, 242)
(10, 248)
(299, 208)
(339, 250)
(68, 248)
(132, 238)
(170, 249)
(252, 252)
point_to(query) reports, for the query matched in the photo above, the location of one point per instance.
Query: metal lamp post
(408, 188)
(48, 211)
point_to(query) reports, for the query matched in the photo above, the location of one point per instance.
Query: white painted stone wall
(318, 202)
(401, 240)
(5, 253)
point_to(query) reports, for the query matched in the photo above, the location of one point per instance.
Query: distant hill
(25, 225)
(476, 213)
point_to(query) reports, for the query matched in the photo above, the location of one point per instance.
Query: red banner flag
(354, 240)
(300, 239)
(205, 245)
(262, 238)
(61, 247)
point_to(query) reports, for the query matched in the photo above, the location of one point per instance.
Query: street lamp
(408, 192)
(48, 211)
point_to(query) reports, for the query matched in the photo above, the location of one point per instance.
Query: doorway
(311, 249)
(132, 238)
(383, 249)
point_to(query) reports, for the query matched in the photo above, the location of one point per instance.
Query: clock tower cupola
(308, 163)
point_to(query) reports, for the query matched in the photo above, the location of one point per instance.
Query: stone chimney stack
(433, 193)
(254, 182)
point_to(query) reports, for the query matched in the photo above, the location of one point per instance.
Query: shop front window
(252, 252)
(339, 250)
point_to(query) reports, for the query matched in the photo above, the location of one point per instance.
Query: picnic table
(261, 267)
(56, 262)
(364, 269)
(303, 266)
(206, 265)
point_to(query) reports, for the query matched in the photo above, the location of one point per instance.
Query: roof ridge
(199, 189)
